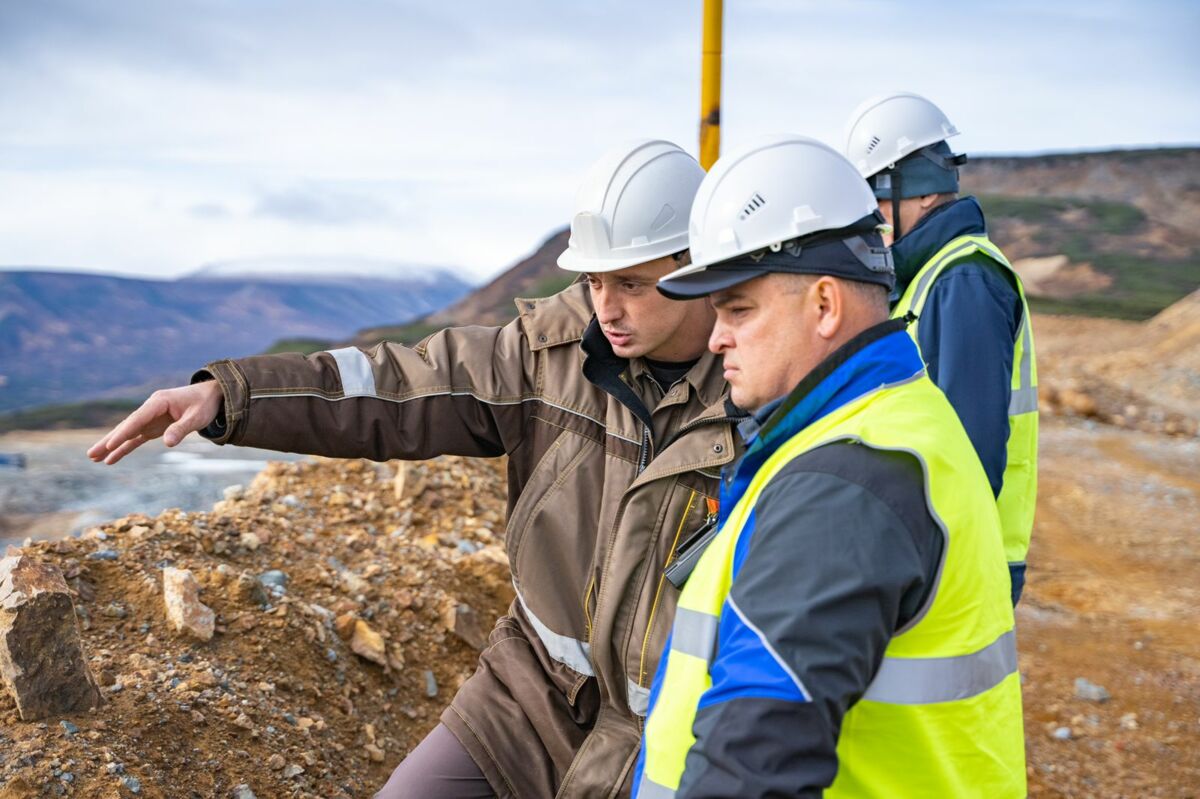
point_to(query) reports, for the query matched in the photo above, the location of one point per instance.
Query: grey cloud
(317, 205)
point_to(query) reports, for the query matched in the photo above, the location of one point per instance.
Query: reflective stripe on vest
(942, 715)
(1018, 493)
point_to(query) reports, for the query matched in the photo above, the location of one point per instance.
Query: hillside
(1102, 234)
(66, 337)
(536, 275)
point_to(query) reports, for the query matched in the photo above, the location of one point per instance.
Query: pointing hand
(171, 413)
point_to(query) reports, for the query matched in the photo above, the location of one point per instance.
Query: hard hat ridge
(632, 207)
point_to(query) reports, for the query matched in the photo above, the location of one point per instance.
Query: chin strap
(895, 201)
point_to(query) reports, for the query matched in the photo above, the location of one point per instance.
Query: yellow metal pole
(710, 84)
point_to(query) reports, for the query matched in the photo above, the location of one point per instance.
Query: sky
(144, 137)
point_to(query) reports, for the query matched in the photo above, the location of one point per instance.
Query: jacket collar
(913, 250)
(603, 368)
(878, 356)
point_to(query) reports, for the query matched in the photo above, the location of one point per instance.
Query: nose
(720, 339)
(608, 308)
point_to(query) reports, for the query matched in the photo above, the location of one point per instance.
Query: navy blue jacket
(968, 328)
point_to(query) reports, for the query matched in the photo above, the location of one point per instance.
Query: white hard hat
(775, 190)
(885, 129)
(632, 208)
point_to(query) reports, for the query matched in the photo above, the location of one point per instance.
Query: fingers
(98, 450)
(126, 447)
(133, 425)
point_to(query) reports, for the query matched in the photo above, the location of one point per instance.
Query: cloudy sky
(152, 137)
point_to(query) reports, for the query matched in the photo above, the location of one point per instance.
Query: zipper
(644, 459)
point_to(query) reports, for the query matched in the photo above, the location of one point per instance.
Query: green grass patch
(1103, 216)
(410, 334)
(101, 413)
(304, 345)
(1105, 235)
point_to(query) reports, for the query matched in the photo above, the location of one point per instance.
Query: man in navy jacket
(968, 299)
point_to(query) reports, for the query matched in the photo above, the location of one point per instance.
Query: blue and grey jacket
(840, 552)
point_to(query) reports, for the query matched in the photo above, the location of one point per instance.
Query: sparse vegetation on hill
(1142, 265)
(304, 345)
(101, 413)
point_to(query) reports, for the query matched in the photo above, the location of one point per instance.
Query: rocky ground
(349, 600)
(344, 621)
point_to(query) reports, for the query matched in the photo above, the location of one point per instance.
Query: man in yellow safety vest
(972, 322)
(849, 630)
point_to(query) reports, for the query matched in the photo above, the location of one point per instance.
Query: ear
(826, 294)
(928, 201)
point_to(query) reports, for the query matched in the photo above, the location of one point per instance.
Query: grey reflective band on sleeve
(694, 633)
(873, 258)
(571, 652)
(649, 789)
(354, 369)
(637, 697)
(1023, 400)
(926, 681)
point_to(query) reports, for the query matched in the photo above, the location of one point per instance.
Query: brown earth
(278, 701)
(1143, 375)
(1055, 276)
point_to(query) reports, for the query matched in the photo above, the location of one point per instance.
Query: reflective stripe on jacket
(1018, 495)
(942, 714)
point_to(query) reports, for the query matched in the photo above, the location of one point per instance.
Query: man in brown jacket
(616, 422)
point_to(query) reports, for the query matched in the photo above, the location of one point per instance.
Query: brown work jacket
(602, 490)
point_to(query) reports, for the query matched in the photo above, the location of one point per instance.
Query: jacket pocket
(655, 613)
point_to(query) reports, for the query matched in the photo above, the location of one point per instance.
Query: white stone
(185, 612)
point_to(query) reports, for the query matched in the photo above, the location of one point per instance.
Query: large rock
(41, 656)
(463, 621)
(367, 643)
(185, 611)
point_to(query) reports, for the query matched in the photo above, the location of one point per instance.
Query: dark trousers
(437, 767)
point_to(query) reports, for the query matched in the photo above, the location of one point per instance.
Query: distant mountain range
(66, 337)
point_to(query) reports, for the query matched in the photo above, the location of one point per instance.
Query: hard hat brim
(571, 262)
(694, 285)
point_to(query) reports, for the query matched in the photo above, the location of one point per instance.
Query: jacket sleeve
(968, 328)
(463, 391)
(843, 553)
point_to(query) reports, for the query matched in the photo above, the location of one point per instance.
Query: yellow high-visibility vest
(942, 716)
(1018, 493)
